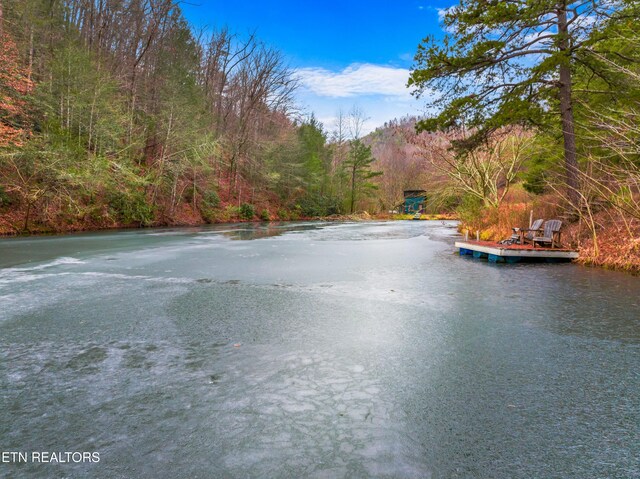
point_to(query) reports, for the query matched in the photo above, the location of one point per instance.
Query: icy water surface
(313, 350)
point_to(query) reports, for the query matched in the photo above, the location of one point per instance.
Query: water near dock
(313, 350)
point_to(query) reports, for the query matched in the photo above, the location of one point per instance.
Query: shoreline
(355, 217)
(38, 232)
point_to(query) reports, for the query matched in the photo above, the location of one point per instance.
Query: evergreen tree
(314, 154)
(357, 166)
(510, 62)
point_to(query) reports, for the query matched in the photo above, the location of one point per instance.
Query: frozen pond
(313, 350)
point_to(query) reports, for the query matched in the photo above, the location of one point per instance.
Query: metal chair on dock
(550, 234)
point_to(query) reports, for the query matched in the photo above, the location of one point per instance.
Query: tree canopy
(505, 62)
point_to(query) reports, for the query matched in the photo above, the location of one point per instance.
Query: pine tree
(358, 168)
(509, 62)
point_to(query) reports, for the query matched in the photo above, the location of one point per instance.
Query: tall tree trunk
(25, 227)
(566, 108)
(30, 71)
(194, 188)
(353, 189)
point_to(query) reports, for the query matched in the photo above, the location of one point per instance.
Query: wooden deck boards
(512, 253)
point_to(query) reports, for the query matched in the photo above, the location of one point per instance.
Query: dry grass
(616, 244)
(495, 224)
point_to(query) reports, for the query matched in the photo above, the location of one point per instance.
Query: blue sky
(345, 53)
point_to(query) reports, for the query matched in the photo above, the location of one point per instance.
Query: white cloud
(443, 11)
(378, 90)
(355, 80)
(407, 57)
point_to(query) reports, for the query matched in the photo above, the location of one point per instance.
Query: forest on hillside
(119, 113)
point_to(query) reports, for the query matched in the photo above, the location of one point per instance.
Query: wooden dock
(514, 253)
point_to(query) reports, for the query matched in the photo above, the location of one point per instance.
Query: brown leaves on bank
(616, 246)
(15, 85)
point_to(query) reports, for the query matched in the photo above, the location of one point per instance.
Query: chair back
(550, 227)
(535, 226)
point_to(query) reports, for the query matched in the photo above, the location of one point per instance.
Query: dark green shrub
(247, 211)
(295, 214)
(230, 213)
(130, 208)
(283, 214)
(208, 207)
(187, 193)
(265, 216)
(211, 199)
(536, 169)
(208, 215)
(314, 204)
(470, 209)
(5, 199)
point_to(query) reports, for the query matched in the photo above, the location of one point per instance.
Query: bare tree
(355, 122)
(485, 173)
